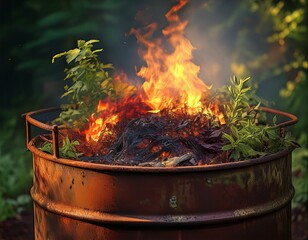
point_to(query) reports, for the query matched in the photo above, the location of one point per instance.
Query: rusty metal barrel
(75, 200)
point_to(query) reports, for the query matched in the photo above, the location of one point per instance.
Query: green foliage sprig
(67, 150)
(90, 82)
(238, 106)
(247, 138)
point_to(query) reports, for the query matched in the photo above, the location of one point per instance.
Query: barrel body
(242, 200)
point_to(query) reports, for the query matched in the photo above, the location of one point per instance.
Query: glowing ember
(171, 88)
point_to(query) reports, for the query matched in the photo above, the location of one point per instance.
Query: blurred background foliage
(266, 40)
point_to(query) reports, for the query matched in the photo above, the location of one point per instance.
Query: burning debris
(167, 140)
(173, 119)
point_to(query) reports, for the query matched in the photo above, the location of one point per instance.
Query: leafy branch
(90, 82)
(238, 109)
(247, 138)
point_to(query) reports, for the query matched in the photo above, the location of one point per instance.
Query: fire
(170, 82)
(102, 124)
(112, 112)
(171, 79)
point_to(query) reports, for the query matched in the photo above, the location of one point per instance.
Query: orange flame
(170, 81)
(102, 124)
(112, 112)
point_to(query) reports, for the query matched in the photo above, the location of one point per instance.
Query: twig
(170, 162)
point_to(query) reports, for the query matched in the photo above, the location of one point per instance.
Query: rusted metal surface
(54, 129)
(292, 119)
(241, 200)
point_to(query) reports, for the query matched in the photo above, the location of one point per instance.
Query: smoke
(215, 29)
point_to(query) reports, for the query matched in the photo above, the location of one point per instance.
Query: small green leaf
(81, 43)
(67, 93)
(226, 147)
(98, 50)
(47, 147)
(92, 41)
(234, 131)
(257, 106)
(58, 56)
(235, 155)
(229, 137)
(72, 54)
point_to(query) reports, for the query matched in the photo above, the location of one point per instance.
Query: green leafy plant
(247, 138)
(238, 102)
(67, 150)
(90, 82)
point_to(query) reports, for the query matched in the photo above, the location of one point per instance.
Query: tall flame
(171, 79)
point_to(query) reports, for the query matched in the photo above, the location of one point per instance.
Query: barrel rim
(120, 168)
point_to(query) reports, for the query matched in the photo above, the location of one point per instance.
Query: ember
(161, 137)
